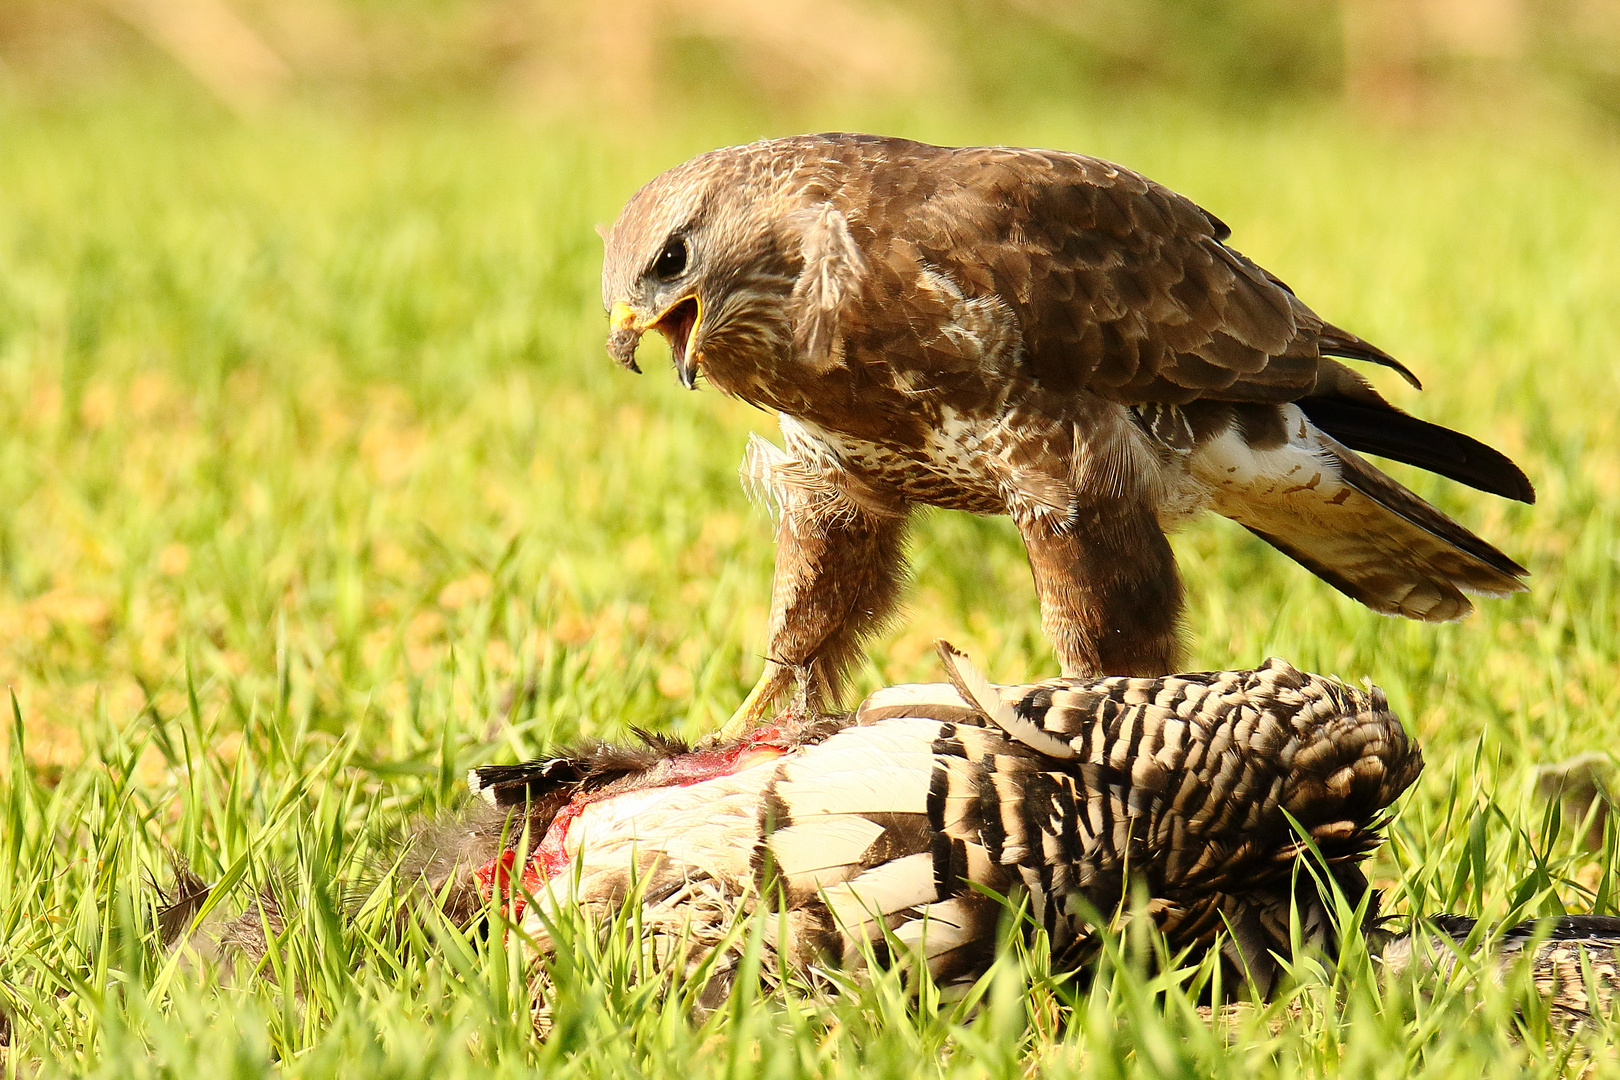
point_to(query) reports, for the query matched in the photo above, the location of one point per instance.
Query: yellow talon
(750, 712)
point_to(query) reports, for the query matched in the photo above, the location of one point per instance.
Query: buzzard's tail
(1320, 503)
(1379, 429)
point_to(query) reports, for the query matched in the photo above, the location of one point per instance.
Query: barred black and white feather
(1201, 791)
(895, 826)
(889, 833)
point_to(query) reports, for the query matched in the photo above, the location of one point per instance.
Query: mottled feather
(883, 836)
(1036, 333)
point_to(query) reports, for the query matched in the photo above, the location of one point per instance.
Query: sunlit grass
(316, 487)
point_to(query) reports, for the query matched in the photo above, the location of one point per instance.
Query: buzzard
(1039, 334)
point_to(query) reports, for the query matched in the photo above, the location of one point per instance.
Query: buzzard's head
(738, 257)
(658, 270)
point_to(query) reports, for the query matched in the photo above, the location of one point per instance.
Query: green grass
(316, 487)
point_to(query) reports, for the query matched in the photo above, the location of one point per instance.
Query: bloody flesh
(551, 857)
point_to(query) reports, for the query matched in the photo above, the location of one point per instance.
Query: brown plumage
(1033, 333)
(873, 834)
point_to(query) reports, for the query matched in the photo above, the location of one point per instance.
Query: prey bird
(902, 834)
(897, 826)
(1034, 333)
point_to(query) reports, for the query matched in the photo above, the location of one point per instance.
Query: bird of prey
(1039, 334)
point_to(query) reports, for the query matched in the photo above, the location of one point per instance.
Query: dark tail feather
(1387, 432)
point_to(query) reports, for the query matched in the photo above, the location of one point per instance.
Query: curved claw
(758, 707)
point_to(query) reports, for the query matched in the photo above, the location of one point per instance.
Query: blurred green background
(652, 59)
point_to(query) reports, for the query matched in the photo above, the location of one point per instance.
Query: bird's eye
(671, 261)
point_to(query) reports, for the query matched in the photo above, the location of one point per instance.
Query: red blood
(696, 768)
(551, 857)
(497, 873)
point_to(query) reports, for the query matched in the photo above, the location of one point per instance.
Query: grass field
(316, 487)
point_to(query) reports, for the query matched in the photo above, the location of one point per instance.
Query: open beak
(678, 324)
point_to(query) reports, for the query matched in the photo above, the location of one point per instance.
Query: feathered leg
(1110, 596)
(837, 578)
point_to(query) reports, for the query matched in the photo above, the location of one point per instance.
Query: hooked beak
(678, 324)
(623, 335)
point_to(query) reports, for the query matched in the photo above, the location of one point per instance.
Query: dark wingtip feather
(1360, 350)
(527, 781)
(1388, 432)
(1332, 341)
(1571, 928)
(587, 767)
(1603, 929)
